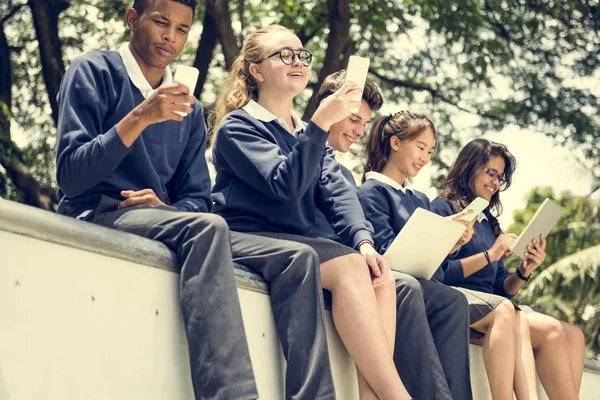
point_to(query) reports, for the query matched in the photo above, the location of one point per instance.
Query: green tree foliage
(566, 285)
(498, 62)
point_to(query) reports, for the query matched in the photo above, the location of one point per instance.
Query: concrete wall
(91, 313)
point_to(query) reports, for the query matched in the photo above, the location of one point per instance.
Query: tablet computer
(541, 223)
(422, 245)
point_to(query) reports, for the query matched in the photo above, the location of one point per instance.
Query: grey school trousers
(432, 340)
(218, 350)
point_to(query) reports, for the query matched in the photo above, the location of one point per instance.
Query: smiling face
(347, 131)
(408, 157)
(486, 181)
(158, 35)
(272, 74)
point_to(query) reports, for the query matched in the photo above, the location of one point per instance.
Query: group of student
(284, 207)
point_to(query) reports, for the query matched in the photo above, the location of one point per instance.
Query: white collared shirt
(262, 114)
(135, 72)
(389, 181)
(481, 217)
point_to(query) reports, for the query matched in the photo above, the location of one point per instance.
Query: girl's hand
(336, 107)
(502, 246)
(535, 254)
(380, 268)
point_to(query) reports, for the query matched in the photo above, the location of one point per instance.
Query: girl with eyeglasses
(484, 169)
(270, 180)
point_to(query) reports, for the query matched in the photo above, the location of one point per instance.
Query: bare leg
(386, 301)
(358, 322)
(576, 342)
(525, 377)
(552, 356)
(499, 349)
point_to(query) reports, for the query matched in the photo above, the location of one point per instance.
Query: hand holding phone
(476, 206)
(357, 70)
(187, 76)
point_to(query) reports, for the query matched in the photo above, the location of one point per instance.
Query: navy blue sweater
(270, 181)
(388, 210)
(95, 94)
(322, 226)
(489, 279)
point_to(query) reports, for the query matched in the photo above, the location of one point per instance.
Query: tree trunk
(219, 11)
(45, 20)
(339, 48)
(5, 85)
(205, 51)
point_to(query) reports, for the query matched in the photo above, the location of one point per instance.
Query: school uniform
(431, 351)
(273, 182)
(93, 166)
(485, 288)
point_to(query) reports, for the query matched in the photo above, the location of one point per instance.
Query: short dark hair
(140, 5)
(333, 82)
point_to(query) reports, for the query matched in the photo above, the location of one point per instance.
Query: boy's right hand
(161, 105)
(336, 107)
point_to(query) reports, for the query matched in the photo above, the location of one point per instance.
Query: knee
(208, 222)
(353, 273)
(505, 313)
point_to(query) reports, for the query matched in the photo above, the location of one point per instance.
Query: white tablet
(358, 68)
(422, 245)
(541, 223)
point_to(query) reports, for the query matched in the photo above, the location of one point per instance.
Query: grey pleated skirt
(325, 248)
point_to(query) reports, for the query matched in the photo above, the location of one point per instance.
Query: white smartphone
(187, 76)
(477, 206)
(357, 70)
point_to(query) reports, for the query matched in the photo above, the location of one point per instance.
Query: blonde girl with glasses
(273, 174)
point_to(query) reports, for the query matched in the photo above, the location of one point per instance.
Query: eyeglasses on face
(494, 175)
(288, 56)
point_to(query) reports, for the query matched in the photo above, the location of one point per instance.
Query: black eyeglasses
(493, 174)
(288, 56)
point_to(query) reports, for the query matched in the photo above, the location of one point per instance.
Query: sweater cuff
(362, 235)
(455, 273)
(113, 146)
(316, 135)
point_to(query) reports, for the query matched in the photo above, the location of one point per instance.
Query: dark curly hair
(459, 184)
(140, 5)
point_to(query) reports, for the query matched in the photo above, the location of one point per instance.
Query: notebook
(423, 244)
(541, 223)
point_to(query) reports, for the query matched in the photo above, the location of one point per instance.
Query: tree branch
(12, 12)
(435, 94)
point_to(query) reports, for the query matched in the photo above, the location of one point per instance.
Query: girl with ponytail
(398, 146)
(484, 169)
(273, 174)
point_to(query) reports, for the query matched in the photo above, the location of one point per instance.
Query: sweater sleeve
(190, 188)
(451, 267)
(377, 211)
(249, 154)
(337, 200)
(85, 154)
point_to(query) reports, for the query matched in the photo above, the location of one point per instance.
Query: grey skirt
(326, 249)
(480, 305)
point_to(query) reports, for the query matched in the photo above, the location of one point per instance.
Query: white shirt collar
(135, 73)
(481, 217)
(262, 114)
(389, 181)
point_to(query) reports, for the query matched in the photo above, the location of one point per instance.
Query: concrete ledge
(55, 228)
(33, 222)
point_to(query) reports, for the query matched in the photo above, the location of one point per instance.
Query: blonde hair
(239, 86)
